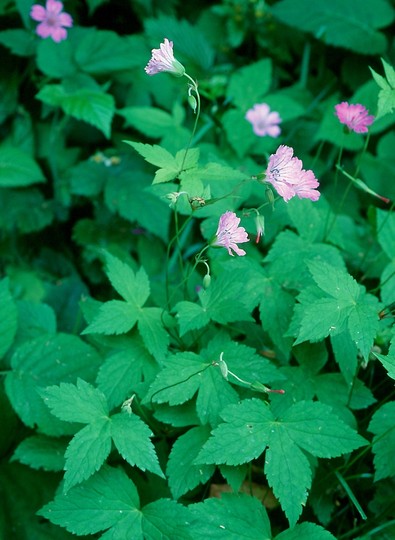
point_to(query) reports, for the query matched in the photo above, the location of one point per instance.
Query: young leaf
(107, 499)
(382, 425)
(76, 403)
(87, 451)
(131, 438)
(183, 474)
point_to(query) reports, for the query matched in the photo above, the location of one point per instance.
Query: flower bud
(223, 367)
(192, 102)
(260, 227)
(206, 281)
(270, 196)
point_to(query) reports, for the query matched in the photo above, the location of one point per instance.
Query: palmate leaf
(386, 101)
(250, 427)
(109, 502)
(133, 287)
(340, 23)
(90, 447)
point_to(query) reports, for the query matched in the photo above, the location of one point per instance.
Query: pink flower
(286, 175)
(263, 121)
(52, 20)
(355, 117)
(163, 60)
(229, 233)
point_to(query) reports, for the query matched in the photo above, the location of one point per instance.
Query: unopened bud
(206, 281)
(223, 367)
(192, 102)
(270, 196)
(260, 227)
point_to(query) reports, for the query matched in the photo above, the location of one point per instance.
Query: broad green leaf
(151, 121)
(288, 473)
(155, 154)
(388, 363)
(334, 282)
(18, 169)
(19, 41)
(13, 213)
(56, 59)
(88, 104)
(382, 425)
(179, 379)
(113, 317)
(41, 452)
(87, 451)
(34, 320)
(132, 440)
(102, 52)
(333, 390)
(386, 232)
(346, 355)
(191, 316)
(314, 427)
(305, 531)
(124, 369)
(249, 84)
(183, 474)
(214, 394)
(242, 437)
(44, 361)
(232, 517)
(386, 101)
(238, 131)
(151, 325)
(133, 287)
(8, 317)
(106, 499)
(165, 518)
(76, 403)
(341, 23)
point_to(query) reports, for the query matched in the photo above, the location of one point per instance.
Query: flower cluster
(163, 60)
(285, 173)
(355, 117)
(264, 121)
(52, 20)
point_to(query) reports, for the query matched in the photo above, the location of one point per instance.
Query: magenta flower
(355, 117)
(286, 175)
(264, 122)
(52, 20)
(163, 60)
(229, 234)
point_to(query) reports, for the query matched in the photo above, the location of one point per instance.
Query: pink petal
(65, 19)
(38, 13)
(59, 34)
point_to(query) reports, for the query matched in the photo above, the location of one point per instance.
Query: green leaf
(44, 361)
(242, 437)
(314, 427)
(151, 328)
(132, 440)
(232, 517)
(183, 474)
(288, 472)
(113, 317)
(165, 518)
(191, 316)
(76, 403)
(249, 84)
(56, 59)
(305, 531)
(90, 105)
(20, 42)
(340, 23)
(151, 121)
(13, 213)
(8, 317)
(386, 100)
(133, 287)
(104, 501)
(386, 232)
(388, 363)
(124, 369)
(18, 169)
(41, 452)
(382, 425)
(87, 451)
(155, 154)
(102, 52)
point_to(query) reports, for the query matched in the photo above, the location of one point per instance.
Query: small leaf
(41, 452)
(18, 169)
(152, 330)
(382, 425)
(133, 287)
(113, 317)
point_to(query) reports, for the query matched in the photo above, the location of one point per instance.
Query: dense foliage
(197, 269)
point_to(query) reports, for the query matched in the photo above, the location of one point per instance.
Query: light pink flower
(229, 234)
(163, 60)
(286, 175)
(355, 117)
(264, 122)
(52, 20)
